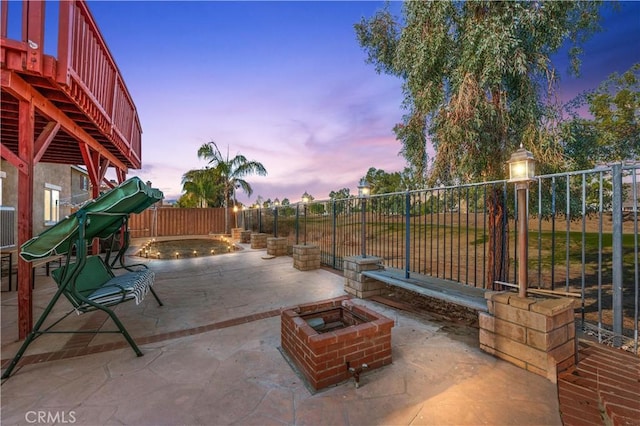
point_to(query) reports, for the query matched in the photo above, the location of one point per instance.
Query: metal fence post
(333, 234)
(363, 226)
(616, 259)
(275, 222)
(297, 224)
(407, 234)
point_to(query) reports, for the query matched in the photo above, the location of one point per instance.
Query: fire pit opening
(333, 319)
(328, 341)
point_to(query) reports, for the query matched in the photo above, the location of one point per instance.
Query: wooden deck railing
(89, 73)
(84, 69)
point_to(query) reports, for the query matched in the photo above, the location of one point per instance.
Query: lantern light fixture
(364, 189)
(522, 166)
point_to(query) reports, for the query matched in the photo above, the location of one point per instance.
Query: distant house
(628, 205)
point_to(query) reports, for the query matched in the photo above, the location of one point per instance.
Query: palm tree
(231, 172)
(201, 185)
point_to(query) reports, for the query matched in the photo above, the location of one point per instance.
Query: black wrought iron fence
(582, 238)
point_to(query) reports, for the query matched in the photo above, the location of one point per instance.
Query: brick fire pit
(325, 339)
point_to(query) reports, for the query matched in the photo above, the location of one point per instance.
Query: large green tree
(477, 77)
(231, 172)
(341, 194)
(613, 132)
(384, 183)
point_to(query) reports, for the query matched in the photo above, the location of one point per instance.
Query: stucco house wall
(55, 176)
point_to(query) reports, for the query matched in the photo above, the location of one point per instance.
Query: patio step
(603, 388)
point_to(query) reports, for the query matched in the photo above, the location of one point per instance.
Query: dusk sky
(285, 84)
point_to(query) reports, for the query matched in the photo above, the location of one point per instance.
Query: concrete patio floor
(211, 357)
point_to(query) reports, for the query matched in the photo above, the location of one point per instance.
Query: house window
(51, 204)
(84, 183)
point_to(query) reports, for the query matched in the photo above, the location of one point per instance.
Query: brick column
(357, 284)
(258, 240)
(306, 257)
(235, 233)
(537, 335)
(245, 237)
(277, 246)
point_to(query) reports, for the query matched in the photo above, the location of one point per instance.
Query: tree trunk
(498, 256)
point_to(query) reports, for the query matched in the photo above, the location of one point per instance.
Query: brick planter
(245, 237)
(537, 335)
(258, 241)
(235, 233)
(306, 257)
(357, 284)
(277, 246)
(345, 335)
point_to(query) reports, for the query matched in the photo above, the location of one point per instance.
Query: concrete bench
(437, 288)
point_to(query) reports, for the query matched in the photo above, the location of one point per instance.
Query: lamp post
(522, 169)
(363, 193)
(305, 200)
(235, 213)
(276, 203)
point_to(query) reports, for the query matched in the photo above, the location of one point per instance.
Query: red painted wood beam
(92, 167)
(33, 34)
(26, 118)
(4, 16)
(44, 140)
(104, 166)
(22, 90)
(96, 173)
(65, 41)
(13, 159)
(122, 175)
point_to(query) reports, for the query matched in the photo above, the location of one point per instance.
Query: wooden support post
(33, 34)
(25, 214)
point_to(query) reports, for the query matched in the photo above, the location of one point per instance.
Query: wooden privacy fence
(170, 221)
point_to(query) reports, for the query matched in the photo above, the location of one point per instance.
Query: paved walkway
(212, 358)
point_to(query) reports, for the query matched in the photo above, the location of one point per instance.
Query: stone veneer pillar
(537, 335)
(245, 237)
(235, 233)
(357, 284)
(258, 240)
(277, 246)
(306, 257)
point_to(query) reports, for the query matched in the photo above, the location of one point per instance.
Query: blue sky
(283, 83)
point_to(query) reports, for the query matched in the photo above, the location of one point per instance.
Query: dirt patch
(435, 308)
(458, 322)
